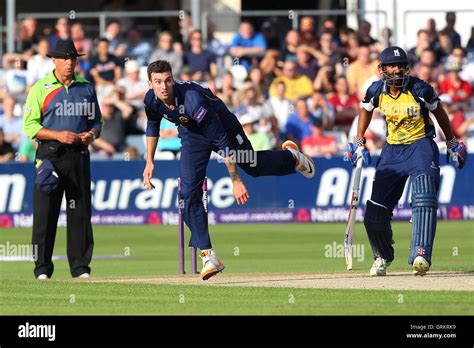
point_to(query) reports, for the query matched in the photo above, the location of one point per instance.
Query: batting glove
(457, 152)
(351, 154)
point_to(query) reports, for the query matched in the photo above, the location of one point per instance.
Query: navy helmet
(394, 55)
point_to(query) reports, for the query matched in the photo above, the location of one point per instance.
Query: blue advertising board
(118, 195)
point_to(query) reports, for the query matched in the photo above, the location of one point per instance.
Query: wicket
(182, 268)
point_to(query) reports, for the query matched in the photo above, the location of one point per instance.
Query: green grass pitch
(271, 248)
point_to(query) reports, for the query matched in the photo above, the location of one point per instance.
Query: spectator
(15, 83)
(329, 26)
(280, 106)
(305, 64)
(7, 153)
(256, 77)
(227, 92)
(422, 43)
(308, 32)
(361, 70)
(165, 51)
(260, 141)
(346, 106)
(215, 46)
(82, 43)
(11, 125)
(112, 138)
(327, 48)
(320, 108)
(134, 88)
(106, 69)
(112, 32)
(428, 59)
(269, 32)
(40, 64)
(137, 48)
(62, 31)
(385, 39)
(27, 150)
(432, 32)
(292, 41)
(364, 34)
(28, 35)
(271, 65)
(319, 144)
(467, 72)
(299, 123)
(296, 85)
(470, 42)
(248, 45)
(452, 85)
(186, 74)
(201, 61)
(251, 103)
(449, 29)
(169, 140)
(445, 46)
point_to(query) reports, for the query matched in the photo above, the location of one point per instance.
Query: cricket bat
(350, 226)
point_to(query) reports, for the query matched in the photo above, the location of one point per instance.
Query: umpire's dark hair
(159, 66)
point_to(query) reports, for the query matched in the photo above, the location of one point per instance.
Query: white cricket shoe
(379, 267)
(85, 275)
(420, 266)
(304, 163)
(42, 277)
(211, 265)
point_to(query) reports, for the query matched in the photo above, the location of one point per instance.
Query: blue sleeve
(371, 99)
(235, 41)
(203, 113)
(427, 94)
(152, 123)
(259, 40)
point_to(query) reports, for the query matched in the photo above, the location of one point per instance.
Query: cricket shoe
(42, 277)
(211, 265)
(379, 267)
(304, 163)
(420, 266)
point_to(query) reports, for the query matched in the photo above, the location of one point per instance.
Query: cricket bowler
(205, 125)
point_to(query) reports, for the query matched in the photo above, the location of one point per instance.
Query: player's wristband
(93, 135)
(359, 141)
(451, 144)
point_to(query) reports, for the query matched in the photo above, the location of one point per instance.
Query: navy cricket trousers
(195, 153)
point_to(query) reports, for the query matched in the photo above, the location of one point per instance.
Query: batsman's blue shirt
(196, 110)
(407, 114)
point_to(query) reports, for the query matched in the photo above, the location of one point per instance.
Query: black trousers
(72, 164)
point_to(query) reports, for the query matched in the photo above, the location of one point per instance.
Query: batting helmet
(394, 55)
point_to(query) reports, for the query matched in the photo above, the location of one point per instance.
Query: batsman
(409, 152)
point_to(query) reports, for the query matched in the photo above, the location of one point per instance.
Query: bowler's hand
(240, 192)
(86, 138)
(67, 137)
(147, 175)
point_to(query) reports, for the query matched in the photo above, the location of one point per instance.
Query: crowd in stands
(306, 87)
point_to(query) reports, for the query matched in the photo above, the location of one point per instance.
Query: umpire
(63, 115)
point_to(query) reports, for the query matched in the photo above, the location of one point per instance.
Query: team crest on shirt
(27, 110)
(47, 86)
(183, 119)
(413, 111)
